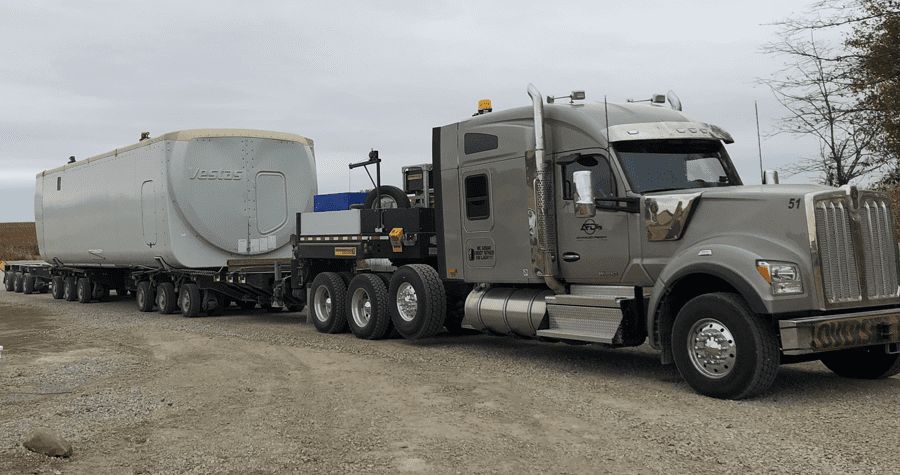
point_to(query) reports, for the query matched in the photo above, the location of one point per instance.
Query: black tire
(20, 284)
(83, 291)
(101, 292)
(189, 300)
(57, 283)
(391, 197)
(749, 363)
(27, 284)
(9, 279)
(145, 296)
(166, 299)
(417, 301)
(367, 307)
(70, 291)
(329, 299)
(213, 303)
(869, 362)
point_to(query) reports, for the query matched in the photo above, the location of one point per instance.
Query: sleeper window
(477, 197)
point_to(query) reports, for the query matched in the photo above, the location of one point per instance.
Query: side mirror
(584, 195)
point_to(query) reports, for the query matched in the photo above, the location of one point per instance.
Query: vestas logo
(201, 174)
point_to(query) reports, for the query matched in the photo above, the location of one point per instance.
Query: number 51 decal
(794, 203)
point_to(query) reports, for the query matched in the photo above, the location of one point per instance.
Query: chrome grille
(879, 248)
(857, 247)
(839, 268)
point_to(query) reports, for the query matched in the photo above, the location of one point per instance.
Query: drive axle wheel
(329, 297)
(367, 312)
(19, 280)
(869, 362)
(418, 301)
(10, 281)
(145, 296)
(722, 349)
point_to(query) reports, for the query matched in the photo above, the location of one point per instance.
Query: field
(18, 241)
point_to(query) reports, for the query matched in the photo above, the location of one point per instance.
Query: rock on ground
(48, 442)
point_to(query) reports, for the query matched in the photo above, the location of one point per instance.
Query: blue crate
(338, 201)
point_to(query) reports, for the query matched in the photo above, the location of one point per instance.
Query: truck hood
(669, 214)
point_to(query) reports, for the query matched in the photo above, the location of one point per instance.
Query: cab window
(603, 181)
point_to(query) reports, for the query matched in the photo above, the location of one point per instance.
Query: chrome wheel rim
(361, 308)
(323, 304)
(407, 302)
(388, 201)
(711, 348)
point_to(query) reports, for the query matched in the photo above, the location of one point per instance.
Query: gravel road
(253, 393)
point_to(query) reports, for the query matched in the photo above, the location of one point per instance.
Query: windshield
(658, 165)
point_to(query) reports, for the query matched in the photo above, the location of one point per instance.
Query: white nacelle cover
(193, 198)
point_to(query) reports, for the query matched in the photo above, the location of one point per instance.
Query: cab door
(591, 249)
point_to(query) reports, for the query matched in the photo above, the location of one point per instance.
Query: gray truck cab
(614, 223)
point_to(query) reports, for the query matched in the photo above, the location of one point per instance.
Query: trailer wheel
(145, 296)
(869, 362)
(329, 297)
(27, 284)
(19, 282)
(166, 299)
(213, 303)
(722, 349)
(70, 292)
(418, 301)
(391, 197)
(189, 299)
(101, 292)
(367, 307)
(9, 279)
(83, 290)
(56, 284)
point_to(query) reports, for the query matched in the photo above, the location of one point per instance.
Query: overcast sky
(84, 77)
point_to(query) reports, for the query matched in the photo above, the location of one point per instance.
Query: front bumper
(837, 332)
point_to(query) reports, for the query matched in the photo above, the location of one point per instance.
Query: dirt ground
(253, 393)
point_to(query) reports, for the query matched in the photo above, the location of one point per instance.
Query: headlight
(784, 277)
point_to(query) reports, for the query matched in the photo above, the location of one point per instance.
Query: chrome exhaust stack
(543, 200)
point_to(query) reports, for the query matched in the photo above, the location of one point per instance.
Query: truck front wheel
(327, 308)
(863, 363)
(722, 349)
(367, 312)
(418, 301)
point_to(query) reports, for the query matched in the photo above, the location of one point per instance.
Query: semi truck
(615, 225)
(574, 222)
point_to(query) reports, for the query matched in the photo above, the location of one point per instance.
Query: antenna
(606, 111)
(762, 173)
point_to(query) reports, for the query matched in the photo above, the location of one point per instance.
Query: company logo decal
(590, 227)
(201, 174)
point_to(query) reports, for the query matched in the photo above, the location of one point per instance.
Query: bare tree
(814, 87)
